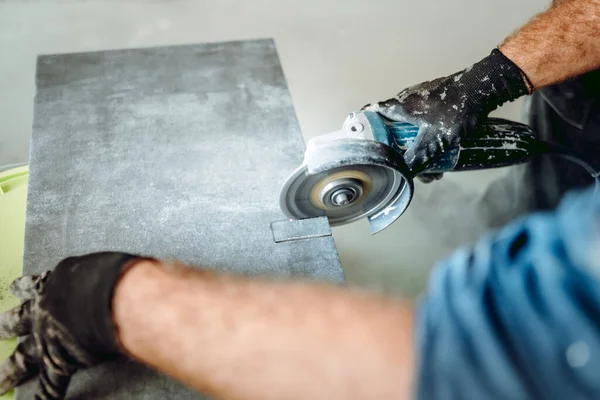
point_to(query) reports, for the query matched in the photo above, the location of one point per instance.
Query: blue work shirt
(517, 316)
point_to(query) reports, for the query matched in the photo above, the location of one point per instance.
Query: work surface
(173, 152)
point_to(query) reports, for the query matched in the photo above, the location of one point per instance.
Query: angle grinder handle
(500, 143)
(497, 143)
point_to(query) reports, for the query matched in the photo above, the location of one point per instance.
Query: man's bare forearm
(238, 338)
(558, 44)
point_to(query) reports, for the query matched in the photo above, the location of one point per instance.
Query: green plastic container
(13, 198)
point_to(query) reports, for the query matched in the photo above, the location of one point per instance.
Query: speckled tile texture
(173, 152)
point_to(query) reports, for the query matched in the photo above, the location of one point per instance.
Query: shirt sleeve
(517, 316)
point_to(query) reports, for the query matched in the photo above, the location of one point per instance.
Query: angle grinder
(359, 171)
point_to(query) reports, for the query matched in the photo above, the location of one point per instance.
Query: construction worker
(514, 317)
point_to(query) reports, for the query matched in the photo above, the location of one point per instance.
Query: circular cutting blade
(343, 194)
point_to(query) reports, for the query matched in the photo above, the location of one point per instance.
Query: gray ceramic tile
(172, 152)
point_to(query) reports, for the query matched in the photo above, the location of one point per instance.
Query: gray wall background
(336, 55)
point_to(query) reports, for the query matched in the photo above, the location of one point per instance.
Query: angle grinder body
(359, 171)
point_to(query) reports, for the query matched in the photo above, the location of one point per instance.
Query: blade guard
(355, 144)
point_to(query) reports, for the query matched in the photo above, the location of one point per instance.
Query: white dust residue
(509, 145)
(403, 96)
(384, 212)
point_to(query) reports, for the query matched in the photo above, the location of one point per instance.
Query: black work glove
(67, 315)
(447, 109)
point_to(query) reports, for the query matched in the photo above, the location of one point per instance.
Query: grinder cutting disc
(343, 194)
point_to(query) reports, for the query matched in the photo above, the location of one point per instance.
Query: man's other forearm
(238, 338)
(558, 44)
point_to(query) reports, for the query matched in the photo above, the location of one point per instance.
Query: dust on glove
(447, 109)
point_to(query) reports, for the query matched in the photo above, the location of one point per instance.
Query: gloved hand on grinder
(67, 315)
(447, 109)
